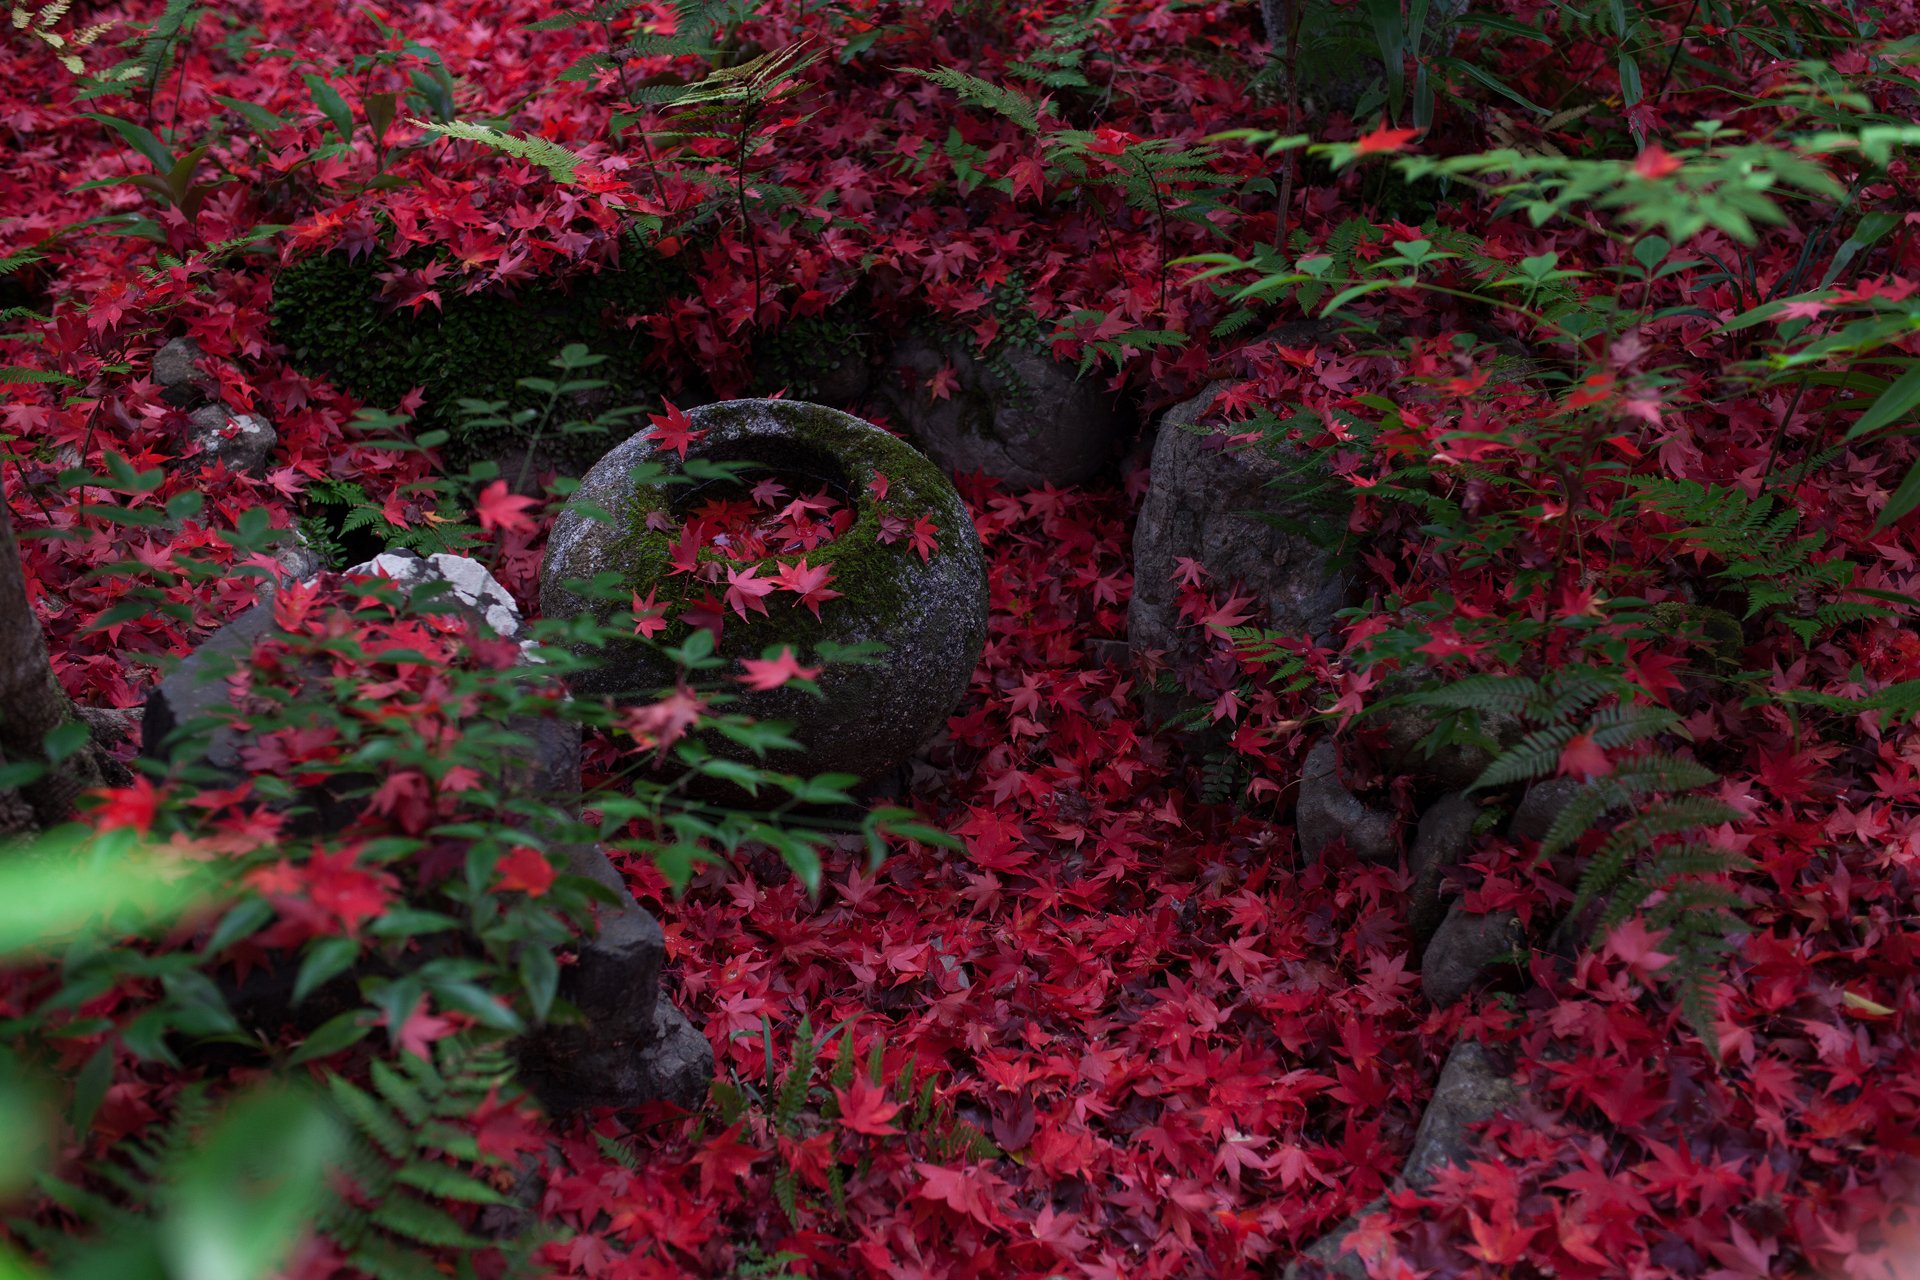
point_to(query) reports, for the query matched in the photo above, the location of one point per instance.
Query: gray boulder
(468, 583)
(1404, 728)
(1018, 415)
(177, 373)
(243, 441)
(1215, 504)
(930, 614)
(1471, 1090)
(1444, 836)
(628, 1046)
(1465, 947)
(1541, 807)
(1326, 811)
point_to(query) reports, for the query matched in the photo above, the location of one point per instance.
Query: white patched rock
(468, 579)
(244, 441)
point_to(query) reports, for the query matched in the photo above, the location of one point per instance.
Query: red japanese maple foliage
(1196, 1051)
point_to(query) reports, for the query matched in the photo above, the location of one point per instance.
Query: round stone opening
(902, 579)
(767, 511)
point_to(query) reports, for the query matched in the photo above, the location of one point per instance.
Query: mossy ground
(473, 346)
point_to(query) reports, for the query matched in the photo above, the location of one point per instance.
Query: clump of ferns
(1635, 826)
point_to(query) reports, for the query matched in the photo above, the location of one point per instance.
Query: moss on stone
(864, 568)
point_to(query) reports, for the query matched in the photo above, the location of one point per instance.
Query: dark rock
(614, 1053)
(677, 1064)
(1404, 728)
(296, 556)
(195, 693)
(1444, 836)
(1207, 503)
(629, 1046)
(177, 373)
(1326, 811)
(110, 726)
(931, 614)
(1017, 415)
(1541, 807)
(1472, 1089)
(1463, 948)
(243, 441)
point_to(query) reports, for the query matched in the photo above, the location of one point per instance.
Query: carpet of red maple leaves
(1199, 1052)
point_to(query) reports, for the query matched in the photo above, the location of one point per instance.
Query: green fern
(1761, 550)
(561, 163)
(1650, 862)
(972, 90)
(411, 1156)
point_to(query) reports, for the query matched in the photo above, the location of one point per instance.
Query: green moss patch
(328, 311)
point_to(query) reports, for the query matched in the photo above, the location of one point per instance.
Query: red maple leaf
(649, 616)
(674, 430)
(1654, 163)
(1582, 757)
(1228, 614)
(724, 1156)
(746, 590)
(1383, 140)
(417, 1034)
(865, 1107)
(808, 582)
(971, 1192)
(499, 509)
(135, 805)
(763, 674)
(924, 539)
(525, 869)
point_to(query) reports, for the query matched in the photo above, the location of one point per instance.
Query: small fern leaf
(559, 162)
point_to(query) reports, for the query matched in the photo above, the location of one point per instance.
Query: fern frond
(551, 156)
(972, 90)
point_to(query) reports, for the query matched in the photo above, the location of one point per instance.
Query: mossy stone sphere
(931, 614)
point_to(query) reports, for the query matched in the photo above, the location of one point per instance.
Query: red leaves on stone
(674, 430)
(762, 674)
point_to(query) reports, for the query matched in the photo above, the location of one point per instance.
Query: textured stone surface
(629, 1046)
(1444, 836)
(1326, 811)
(177, 373)
(1020, 416)
(1404, 729)
(243, 441)
(467, 582)
(1541, 807)
(931, 614)
(1205, 502)
(1472, 1089)
(1463, 948)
